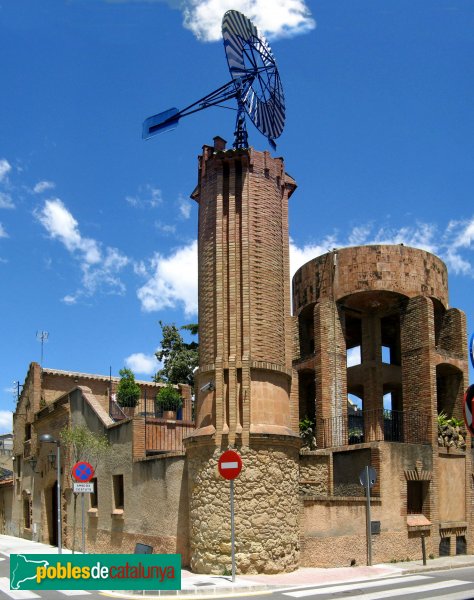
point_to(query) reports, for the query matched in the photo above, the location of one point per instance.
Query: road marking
(73, 592)
(466, 595)
(16, 594)
(414, 589)
(354, 585)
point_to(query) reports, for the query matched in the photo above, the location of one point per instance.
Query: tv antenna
(42, 336)
(255, 84)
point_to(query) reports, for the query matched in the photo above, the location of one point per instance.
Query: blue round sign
(83, 472)
(471, 350)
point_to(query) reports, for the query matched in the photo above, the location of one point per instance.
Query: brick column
(246, 343)
(331, 376)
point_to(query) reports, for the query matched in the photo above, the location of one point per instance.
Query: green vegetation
(307, 433)
(179, 358)
(168, 398)
(128, 391)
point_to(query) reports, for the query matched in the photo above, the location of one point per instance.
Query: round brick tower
(244, 383)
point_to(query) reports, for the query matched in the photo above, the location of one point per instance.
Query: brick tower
(244, 383)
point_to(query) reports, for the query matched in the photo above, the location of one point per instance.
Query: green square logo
(95, 572)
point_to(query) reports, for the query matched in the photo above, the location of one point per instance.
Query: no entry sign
(82, 472)
(230, 464)
(468, 408)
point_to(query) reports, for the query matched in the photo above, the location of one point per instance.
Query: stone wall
(266, 510)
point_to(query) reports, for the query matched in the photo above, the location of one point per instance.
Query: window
(18, 465)
(27, 432)
(26, 513)
(94, 496)
(416, 496)
(118, 492)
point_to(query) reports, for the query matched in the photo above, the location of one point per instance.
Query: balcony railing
(163, 435)
(375, 426)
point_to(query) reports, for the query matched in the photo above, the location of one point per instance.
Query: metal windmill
(255, 84)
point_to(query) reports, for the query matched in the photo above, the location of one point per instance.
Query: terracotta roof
(74, 374)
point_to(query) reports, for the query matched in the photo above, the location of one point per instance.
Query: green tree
(83, 444)
(128, 391)
(179, 358)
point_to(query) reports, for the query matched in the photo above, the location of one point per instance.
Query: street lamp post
(47, 438)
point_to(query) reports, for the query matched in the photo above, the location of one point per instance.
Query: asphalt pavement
(216, 585)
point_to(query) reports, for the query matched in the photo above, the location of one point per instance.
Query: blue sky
(97, 231)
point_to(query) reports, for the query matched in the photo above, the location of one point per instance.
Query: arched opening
(355, 415)
(449, 390)
(306, 330)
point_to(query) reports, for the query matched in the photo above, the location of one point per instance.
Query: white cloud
(353, 357)
(148, 196)
(5, 168)
(453, 245)
(275, 18)
(42, 186)
(165, 228)
(300, 256)
(145, 364)
(184, 208)
(3, 233)
(60, 223)
(6, 200)
(172, 281)
(99, 267)
(6, 421)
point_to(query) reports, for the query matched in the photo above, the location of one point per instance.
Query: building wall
(155, 510)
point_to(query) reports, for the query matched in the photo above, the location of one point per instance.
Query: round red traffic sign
(468, 408)
(82, 472)
(471, 349)
(230, 464)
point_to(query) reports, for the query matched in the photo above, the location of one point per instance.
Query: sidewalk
(221, 586)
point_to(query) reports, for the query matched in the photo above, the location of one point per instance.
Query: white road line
(414, 589)
(466, 595)
(73, 592)
(16, 594)
(355, 585)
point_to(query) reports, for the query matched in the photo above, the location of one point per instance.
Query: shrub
(128, 391)
(168, 398)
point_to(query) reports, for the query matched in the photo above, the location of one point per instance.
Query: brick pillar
(331, 376)
(244, 384)
(371, 357)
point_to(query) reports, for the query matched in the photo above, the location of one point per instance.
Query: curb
(207, 590)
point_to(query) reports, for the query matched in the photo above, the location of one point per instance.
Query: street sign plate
(468, 408)
(372, 476)
(230, 464)
(82, 472)
(83, 488)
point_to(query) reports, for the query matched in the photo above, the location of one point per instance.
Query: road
(454, 584)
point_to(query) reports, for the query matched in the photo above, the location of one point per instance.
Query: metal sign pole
(232, 536)
(367, 516)
(83, 526)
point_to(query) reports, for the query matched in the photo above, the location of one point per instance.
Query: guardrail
(375, 426)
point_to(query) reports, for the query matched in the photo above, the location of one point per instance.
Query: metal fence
(374, 426)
